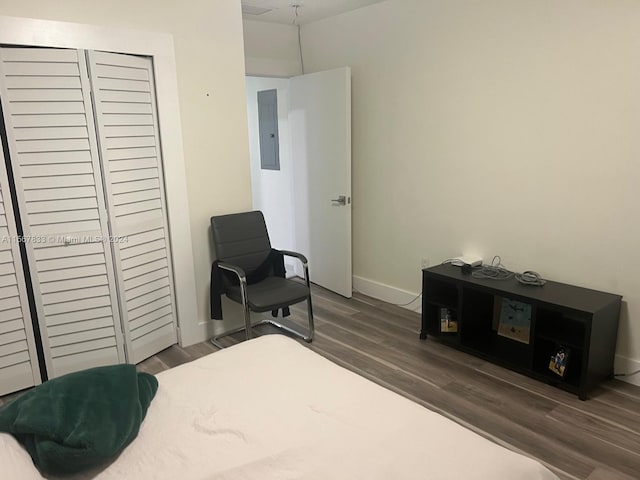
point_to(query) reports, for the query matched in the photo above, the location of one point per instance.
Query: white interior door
(320, 123)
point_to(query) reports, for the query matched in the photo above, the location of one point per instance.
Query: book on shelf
(514, 319)
(448, 321)
(559, 360)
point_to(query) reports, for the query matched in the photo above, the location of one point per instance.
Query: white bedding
(270, 409)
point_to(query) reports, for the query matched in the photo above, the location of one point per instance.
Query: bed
(270, 408)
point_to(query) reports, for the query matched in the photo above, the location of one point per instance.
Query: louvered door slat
(81, 336)
(62, 205)
(79, 316)
(40, 55)
(135, 273)
(47, 108)
(132, 164)
(75, 294)
(77, 273)
(21, 81)
(124, 119)
(62, 194)
(78, 168)
(74, 284)
(18, 358)
(127, 108)
(133, 251)
(46, 95)
(53, 146)
(73, 120)
(40, 68)
(129, 97)
(13, 348)
(49, 133)
(5, 257)
(11, 325)
(53, 158)
(134, 186)
(60, 251)
(9, 291)
(134, 174)
(15, 366)
(130, 151)
(80, 326)
(129, 130)
(6, 268)
(138, 196)
(15, 336)
(138, 315)
(11, 314)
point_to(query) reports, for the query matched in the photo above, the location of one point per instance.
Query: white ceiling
(282, 11)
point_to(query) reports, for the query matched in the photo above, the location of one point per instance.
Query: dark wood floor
(596, 440)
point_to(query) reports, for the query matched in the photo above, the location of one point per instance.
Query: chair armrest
(235, 269)
(305, 263)
(297, 255)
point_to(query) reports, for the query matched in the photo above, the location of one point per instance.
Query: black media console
(523, 327)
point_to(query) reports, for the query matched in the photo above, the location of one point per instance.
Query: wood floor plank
(462, 410)
(623, 388)
(366, 326)
(200, 349)
(152, 365)
(174, 356)
(617, 398)
(595, 427)
(409, 321)
(606, 473)
(618, 418)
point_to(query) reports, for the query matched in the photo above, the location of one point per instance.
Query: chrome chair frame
(247, 312)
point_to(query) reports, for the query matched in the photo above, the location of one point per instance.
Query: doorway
(272, 189)
(302, 182)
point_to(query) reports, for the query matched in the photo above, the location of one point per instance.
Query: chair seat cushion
(271, 293)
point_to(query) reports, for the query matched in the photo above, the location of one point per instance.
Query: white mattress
(270, 408)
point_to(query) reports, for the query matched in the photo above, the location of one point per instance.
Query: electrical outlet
(424, 263)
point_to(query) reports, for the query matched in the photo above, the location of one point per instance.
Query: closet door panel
(53, 146)
(124, 96)
(18, 358)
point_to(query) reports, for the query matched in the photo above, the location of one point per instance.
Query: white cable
(295, 22)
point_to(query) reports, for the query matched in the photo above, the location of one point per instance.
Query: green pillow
(81, 420)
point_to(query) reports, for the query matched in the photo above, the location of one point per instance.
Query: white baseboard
(627, 365)
(388, 293)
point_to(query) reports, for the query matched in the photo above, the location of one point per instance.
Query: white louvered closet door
(53, 148)
(124, 100)
(18, 358)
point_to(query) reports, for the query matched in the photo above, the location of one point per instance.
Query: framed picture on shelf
(448, 321)
(559, 360)
(513, 318)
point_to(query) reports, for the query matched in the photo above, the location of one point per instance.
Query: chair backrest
(241, 239)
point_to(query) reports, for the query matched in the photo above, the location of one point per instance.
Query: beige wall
(500, 127)
(271, 49)
(210, 70)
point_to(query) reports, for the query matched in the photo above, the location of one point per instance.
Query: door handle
(341, 200)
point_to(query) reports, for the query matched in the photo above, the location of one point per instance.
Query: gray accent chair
(252, 272)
